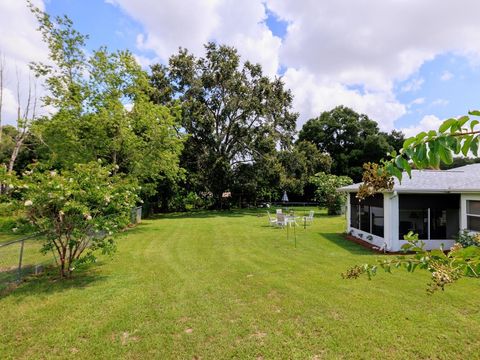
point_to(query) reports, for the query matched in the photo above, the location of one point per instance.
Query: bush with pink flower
(78, 210)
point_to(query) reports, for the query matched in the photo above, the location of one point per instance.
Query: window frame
(467, 214)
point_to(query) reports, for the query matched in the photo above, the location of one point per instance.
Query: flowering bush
(77, 210)
(467, 238)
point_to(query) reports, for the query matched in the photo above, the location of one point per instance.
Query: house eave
(420, 191)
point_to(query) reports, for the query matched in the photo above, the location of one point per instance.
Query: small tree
(326, 191)
(77, 211)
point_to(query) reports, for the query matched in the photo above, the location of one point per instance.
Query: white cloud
(440, 102)
(312, 96)
(20, 43)
(446, 75)
(329, 47)
(418, 101)
(192, 23)
(428, 122)
(413, 85)
(375, 43)
(378, 41)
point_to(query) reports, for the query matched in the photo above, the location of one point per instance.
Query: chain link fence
(22, 257)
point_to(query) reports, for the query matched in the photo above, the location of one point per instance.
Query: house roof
(458, 180)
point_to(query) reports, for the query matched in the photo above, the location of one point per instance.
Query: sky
(407, 64)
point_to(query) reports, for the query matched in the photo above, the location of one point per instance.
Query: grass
(225, 285)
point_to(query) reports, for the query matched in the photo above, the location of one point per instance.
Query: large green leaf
(446, 125)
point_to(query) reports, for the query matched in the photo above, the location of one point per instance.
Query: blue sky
(402, 69)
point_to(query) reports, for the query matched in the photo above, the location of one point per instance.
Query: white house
(436, 204)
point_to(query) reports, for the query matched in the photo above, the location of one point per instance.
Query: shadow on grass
(340, 241)
(259, 212)
(50, 282)
(207, 214)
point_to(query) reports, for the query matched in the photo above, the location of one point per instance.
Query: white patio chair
(281, 220)
(309, 218)
(272, 221)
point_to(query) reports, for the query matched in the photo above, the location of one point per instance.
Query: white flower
(89, 217)
(28, 203)
(53, 173)
(15, 229)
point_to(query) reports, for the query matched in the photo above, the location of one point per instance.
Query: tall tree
(103, 109)
(227, 107)
(350, 138)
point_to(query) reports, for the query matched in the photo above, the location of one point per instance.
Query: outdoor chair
(281, 220)
(309, 218)
(279, 211)
(272, 221)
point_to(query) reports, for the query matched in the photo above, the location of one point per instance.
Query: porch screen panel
(367, 215)
(354, 216)
(443, 222)
(365, 218)
(377, 220)
(415, 220)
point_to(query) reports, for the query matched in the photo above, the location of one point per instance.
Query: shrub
(467, 238)
(326, 191)
(78, 210)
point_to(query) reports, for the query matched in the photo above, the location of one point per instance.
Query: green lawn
(225, 285)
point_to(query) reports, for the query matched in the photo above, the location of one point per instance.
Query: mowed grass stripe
(226, 285)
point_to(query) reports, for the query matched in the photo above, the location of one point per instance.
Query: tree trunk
(16, 150)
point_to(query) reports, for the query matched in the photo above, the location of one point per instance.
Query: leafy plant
(467, 238)
(428, 150)
(444, 268)
(78, 210)
(456, 136)
(326, 191)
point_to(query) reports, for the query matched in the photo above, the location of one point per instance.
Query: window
(473, 215)
(368, 214)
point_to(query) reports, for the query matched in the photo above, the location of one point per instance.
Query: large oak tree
(350, 138)
(228, 108)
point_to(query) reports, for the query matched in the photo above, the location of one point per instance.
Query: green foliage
(77, 210)
(456, 136)
(430, 149)
(426, 150)
(467, 238)
(104, 110)
(444, 268)
(350, 138)
(326, 191)
(228, 109)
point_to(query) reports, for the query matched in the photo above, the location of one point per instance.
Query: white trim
(463, 208)
(363, 235)
(431, 244)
